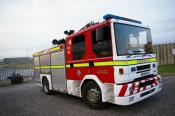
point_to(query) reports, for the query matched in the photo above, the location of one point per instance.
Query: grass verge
(167, 70)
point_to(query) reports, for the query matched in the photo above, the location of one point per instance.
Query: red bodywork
(104, 73)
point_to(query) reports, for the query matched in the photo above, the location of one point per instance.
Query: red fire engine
(111, 61)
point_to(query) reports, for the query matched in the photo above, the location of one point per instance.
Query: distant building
(18, 65)
(18, 60)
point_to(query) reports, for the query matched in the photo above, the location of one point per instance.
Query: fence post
(173, 47)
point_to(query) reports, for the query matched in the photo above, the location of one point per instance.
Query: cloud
(164, 30)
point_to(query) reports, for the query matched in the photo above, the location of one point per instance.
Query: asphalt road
(28, 100)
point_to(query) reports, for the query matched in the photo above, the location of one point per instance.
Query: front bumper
(128, 94)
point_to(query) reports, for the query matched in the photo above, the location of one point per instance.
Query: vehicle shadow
(137, 107)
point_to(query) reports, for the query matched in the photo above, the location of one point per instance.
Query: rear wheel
(92, 95)
(46, 86)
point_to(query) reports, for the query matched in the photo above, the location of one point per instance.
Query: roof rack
(89, 24)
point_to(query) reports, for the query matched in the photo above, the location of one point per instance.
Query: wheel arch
(94, 78)
(48, 77)
(43, 78)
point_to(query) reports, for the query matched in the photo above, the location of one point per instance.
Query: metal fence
(165, 53)
(5, 73)
(8, 69)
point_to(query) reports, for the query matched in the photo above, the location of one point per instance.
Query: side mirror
(55, 42)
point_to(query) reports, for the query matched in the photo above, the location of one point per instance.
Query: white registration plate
(145, 73)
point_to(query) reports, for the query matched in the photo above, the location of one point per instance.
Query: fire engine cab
(111, 61)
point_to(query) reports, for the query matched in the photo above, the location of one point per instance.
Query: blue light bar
(110, 16)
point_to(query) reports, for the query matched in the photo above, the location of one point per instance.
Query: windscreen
(132, 39)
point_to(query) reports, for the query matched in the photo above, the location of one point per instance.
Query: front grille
(146, 93)
(143, 67)
(145, 77)
(146, 83)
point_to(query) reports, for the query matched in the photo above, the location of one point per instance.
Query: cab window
(78, 44)
(101, 42)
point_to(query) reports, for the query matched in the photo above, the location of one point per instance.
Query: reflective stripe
(36, 67)
(44, 66)
(107, 63)
(36, 54)
(68, 66)
(81, 65)
(116, 63)
(58, 66)
(55, 49)
(47, 51)
(152, 60)
(104, 63)
(132, 62)
(120, 63)
(52, 67)
(146, 60)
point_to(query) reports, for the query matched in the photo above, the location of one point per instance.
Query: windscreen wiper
(136, 51)
(146, 55)
(129, 56)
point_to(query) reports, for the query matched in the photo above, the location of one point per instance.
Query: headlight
(133, 69)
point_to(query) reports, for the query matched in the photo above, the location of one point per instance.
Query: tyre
(92, 96)
(46, 86)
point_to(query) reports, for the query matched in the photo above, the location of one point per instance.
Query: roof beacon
(110, 16)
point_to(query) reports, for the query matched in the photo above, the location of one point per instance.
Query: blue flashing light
(110, 16)
(133, 69)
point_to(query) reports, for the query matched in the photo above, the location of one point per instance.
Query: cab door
(76, 56)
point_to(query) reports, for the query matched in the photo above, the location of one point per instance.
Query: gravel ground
(28, 99)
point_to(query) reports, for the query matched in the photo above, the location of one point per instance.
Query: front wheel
(46, 86)
(92, 96)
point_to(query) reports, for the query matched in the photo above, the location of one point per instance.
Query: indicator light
(121, 71)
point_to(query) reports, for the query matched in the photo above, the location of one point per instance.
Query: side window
(101, 42)
(36, 61)
(57, 58)
(45, 60)
(78, 44)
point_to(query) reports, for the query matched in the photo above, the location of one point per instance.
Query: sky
(28, 26)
